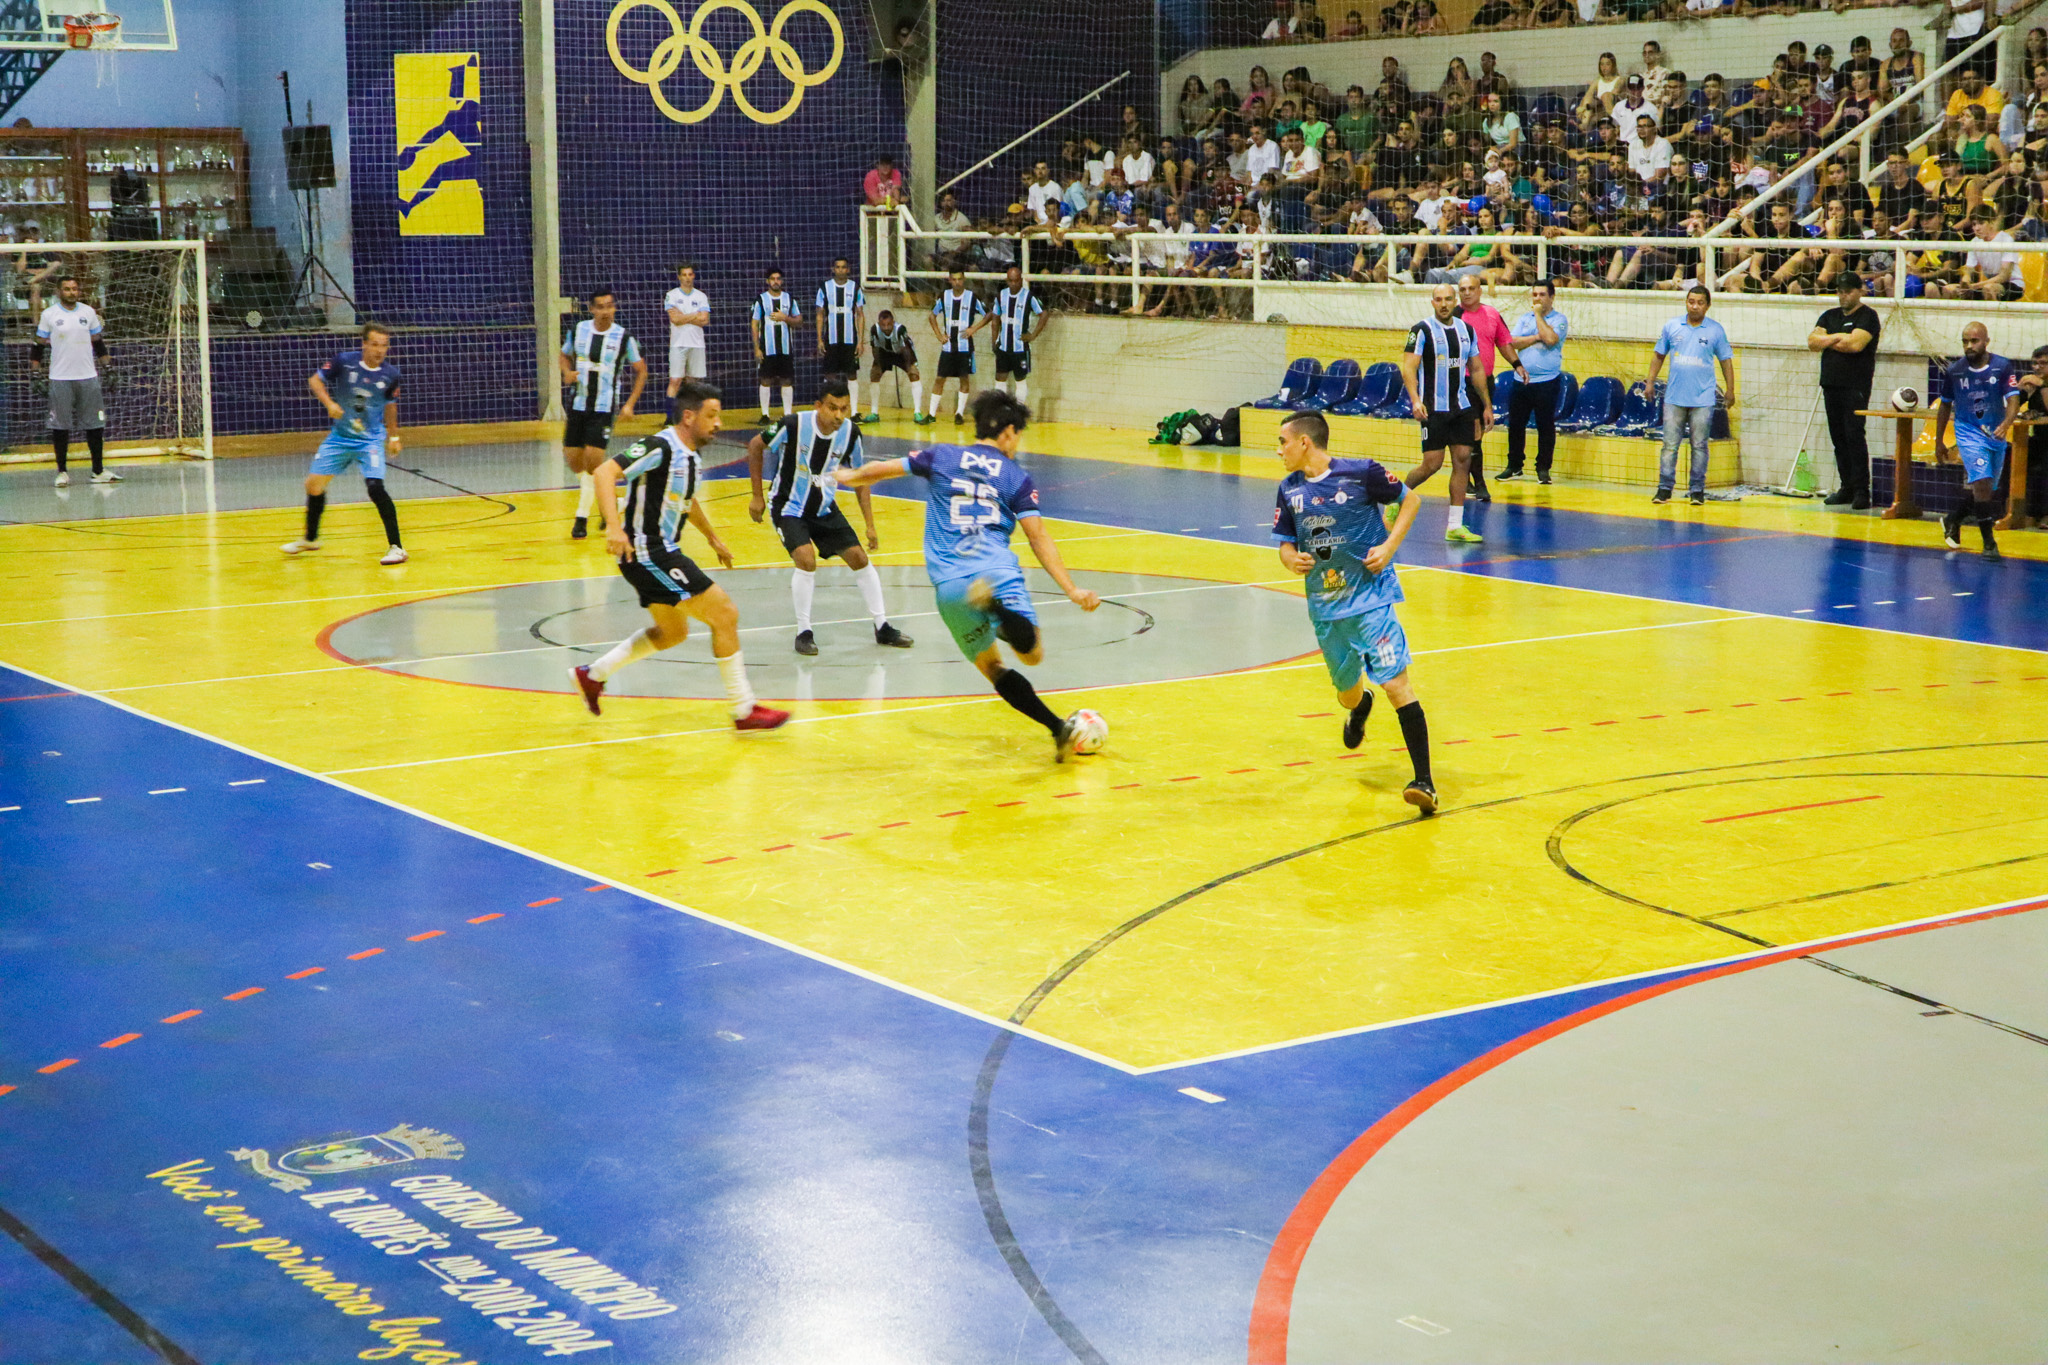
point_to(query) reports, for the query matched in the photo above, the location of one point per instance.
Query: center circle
(527, 636)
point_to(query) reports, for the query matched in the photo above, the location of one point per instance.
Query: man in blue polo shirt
(1539, 337)
(1694, 343)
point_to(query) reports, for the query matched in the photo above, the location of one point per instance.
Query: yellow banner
(440, 138)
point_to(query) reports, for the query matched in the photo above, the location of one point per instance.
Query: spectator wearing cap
(1633, 104)
(882, 187)
(1829, 83)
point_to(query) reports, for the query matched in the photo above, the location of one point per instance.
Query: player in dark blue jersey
(359, 389)
(974, 498)
(1981, 395)
(1331, 525)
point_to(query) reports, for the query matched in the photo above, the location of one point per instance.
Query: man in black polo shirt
(1846, 337)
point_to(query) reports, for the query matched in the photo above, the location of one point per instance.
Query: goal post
(157, 374)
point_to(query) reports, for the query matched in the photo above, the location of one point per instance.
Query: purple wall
(455, 375)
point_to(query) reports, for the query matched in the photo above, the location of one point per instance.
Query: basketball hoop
(87, 30)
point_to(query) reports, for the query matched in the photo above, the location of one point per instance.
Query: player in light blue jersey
(1981, 395)
(1330, 522)
(974, 498)
(359, 389)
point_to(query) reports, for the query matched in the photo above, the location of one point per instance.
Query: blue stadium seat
(1547, 107)
(1338, 384)
(1301, 378)
(1598, 406)
(1567, 394)
(1503, 391)
(1642, 413)
(1400, 409)
(1375, 391)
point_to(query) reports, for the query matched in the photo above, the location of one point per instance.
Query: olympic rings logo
(667, 58)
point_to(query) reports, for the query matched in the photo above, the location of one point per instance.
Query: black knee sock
(316, 503)
(1017, 690)
(1986, 513)
(1415, 730)
(62, 441)
(96, 442)
(386, 509)
(1017, 631)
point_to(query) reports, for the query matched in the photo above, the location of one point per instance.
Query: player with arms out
(595, 355)
(801, 458)
(974, 498)
(1330, 522)
(68, 337)
(842, 320)
(890, 348)
(774, 348)
(660, 474)
(359, 389)
(1981, 394)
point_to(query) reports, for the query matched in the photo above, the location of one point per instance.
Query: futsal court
(882, 1037)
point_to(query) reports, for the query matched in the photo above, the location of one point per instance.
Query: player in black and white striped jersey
(842, 312)
(595, 356)
(774, 342)
(1020, 317)
(957, 315)
(890, 348)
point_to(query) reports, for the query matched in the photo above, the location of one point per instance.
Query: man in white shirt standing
(1138, 167)
(689, 312)
(68, 339)
(1043, 198)
(1632, 105)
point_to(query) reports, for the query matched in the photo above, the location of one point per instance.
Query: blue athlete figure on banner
(975, 496)
(359, 389)
(1981, 395)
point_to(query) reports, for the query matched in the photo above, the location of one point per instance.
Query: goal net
(155, 375)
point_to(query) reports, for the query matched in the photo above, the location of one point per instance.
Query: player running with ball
(974, 498)
(1332, 529)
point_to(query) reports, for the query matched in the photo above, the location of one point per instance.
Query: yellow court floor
(1630, 783)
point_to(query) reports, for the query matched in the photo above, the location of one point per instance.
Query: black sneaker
(1699, 500)
(579, 529)
(805, 644)
(1063, 740)
(886, 634)
(1952, 528)
(1421, 795)
(1543, 476)
(1861, 502)
(1354, 724)
(1841, 497)
(1507, 474)
(1660, 497)
(1990, 545)
(1475, 487)
(959, 417)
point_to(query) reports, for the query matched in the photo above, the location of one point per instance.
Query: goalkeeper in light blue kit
(1331, 525)
(975, 496)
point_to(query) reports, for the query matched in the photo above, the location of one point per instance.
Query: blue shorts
(1373, 644)
(336, 455)
(975, 630)
(1983, 456)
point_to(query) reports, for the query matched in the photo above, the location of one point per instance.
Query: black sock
(96, 442)
(1017, 631)
(1415, 730)
(316, 503)
(1987, 514)
(62, 441)
(386, 509)
(1364, 708)
(1017, 690)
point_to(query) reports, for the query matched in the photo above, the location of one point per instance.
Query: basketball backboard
(145, 26)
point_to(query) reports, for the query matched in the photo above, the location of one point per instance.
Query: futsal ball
(1906, 399)
(1091, 731)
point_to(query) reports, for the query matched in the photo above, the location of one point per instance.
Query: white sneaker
(106, 476)
(395, 555)
(63, 478)
(293, 547)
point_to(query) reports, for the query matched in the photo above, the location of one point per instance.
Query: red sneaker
(761, 718)
(591, 687)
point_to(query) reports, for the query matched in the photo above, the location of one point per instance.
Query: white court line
(979, 701)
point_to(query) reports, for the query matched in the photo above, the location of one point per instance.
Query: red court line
(494, 915)
(665, 872)
(124, 1038)
(949, 814)
(244, 993)
(896, 824)
(535, 905)
(8, 1089)
(422, 938)
(847, 834)
(1235, 771)
(726, 859)
(1126, 786)
(40, 696)
(367, 952)
(599, 887)
(1780, 810)
(1001, 804)
(180, 1018)
(55, 1067)
(1192, 777)
(1273, 1305)
(1061, 796)
(300, 976)
(777, 848)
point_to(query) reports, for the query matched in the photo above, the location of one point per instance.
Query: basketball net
(100, 33)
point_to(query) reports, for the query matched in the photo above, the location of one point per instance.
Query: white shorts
(685, 362)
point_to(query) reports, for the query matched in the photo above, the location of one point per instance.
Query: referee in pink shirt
(1489, 334)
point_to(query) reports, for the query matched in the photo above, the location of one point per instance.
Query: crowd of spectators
(1643, 151)
(1305, 22)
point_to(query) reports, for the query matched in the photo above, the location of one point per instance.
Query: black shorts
(956, 364)
(781, 367)
(885, 361)
(674, 576)
(1985, 63)
(842, 358)
(587, 429)
(1016, 363)
(829, 532)
(1445, 429)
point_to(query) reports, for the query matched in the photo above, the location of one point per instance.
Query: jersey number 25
(973, 506)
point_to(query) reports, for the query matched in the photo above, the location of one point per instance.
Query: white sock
(788, 400)
(1457, 519)
(875, 399)
(586, 497)
(917, 396)
(803, 586)
(960, 399)
(636, 646)
(870, 583)
(734, 670)
(853, 394)
(938, 396)
(764, 400)
(1021, 391)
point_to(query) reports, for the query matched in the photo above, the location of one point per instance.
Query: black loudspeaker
(308, 157)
